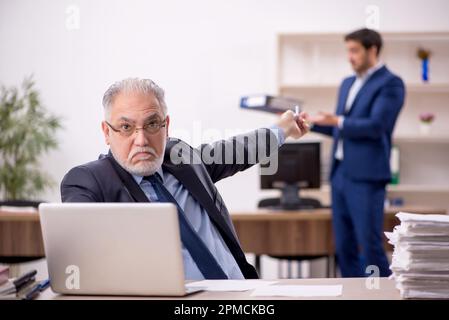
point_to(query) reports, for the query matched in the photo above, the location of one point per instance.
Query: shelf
(311, 67)
(428, 87)
(312, 136)
(418, 188)
(412, 37)
(410, 87)
(421, 139)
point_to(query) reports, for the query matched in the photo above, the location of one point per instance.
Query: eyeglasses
(126, 129)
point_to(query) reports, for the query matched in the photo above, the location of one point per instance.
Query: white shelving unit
(311, 67)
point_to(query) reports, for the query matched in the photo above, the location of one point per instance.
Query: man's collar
(370, 71)
(159, 172)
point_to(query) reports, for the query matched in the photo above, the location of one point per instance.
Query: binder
(268, 103)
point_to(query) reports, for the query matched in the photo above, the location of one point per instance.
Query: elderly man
(145, 165)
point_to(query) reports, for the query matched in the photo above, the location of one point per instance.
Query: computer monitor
(298, 168)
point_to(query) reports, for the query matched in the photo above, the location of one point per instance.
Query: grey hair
(146, 86)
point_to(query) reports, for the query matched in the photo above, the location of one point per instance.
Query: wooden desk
(20, 235)
(260, 232)
(353, 289)
(307, 232)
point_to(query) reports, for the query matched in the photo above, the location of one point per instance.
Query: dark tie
(196, 247)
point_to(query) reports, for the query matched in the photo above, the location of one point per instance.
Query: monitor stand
(290, 200)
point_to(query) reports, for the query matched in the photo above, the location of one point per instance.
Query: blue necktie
(196, 247)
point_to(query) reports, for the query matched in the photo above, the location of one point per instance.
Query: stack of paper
(420, 262)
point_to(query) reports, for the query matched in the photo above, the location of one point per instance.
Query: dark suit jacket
(368, 126)
(104, 180)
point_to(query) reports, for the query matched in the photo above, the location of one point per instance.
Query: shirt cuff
(279, 133)
(341, 120)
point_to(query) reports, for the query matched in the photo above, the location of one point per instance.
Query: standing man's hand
(294, 126)
(323, 119)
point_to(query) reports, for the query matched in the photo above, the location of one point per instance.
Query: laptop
(113, 249)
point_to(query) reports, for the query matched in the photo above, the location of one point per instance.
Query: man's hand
(294, 126)
(322, 119)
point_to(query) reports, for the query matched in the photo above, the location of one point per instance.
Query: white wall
(206, 54)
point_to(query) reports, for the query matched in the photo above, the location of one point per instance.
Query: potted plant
(426, 119)
(27, 132)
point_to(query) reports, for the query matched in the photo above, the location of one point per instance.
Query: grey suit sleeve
(79, 185)
(226, 157)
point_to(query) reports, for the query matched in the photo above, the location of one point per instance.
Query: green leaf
(28, 131)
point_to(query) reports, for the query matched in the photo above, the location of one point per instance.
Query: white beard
(143, 168)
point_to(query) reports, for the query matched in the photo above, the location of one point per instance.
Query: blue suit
(358, 181)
